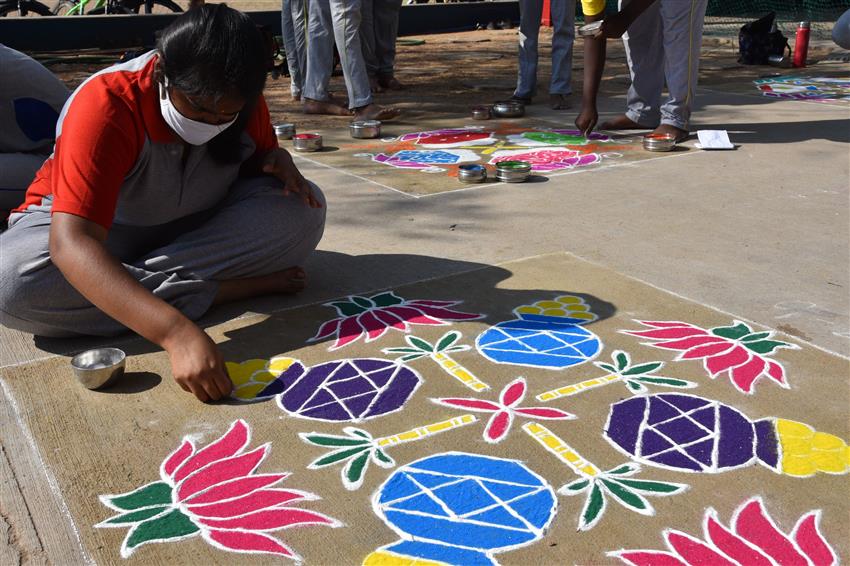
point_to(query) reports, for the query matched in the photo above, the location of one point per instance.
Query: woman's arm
(77, 249)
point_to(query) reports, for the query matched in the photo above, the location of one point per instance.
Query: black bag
(759, 40)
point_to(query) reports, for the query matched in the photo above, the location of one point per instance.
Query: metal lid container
(509, 109)
(307, 142)
(471, 173)
(365, 129)
(513, 171)
(99, 367)
(590, 29)
(659, 142)
(481, 112)
(284, 131)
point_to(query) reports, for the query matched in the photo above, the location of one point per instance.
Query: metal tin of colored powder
(307, 142)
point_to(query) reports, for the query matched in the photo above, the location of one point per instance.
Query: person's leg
(368, 15)
(320, 44)
(386, 33)
(254, 234)
(18, 171)
(683, 22)
(300, 22)
(296, 79)
(564, 21)
(530, 12)
(346, 30)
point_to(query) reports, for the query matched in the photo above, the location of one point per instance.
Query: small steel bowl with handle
(99, 367)
(481, 112)
(509, 109)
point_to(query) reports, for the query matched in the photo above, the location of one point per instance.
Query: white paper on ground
(714, 139)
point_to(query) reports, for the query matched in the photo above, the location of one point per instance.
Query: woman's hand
(197, 364)
(279, 163)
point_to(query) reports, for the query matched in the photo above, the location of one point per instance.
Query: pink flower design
(216, 493)
(373, 316)
(736, 350)
(753, 540)
(504, 411)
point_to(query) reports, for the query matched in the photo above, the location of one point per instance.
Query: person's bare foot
(375, 112)
(559, 101)
(622, 122)
(290, 281)
(681, 135)
(286, 282)
(375, 85)
(296, 98)
(329, 107)
(389, 82)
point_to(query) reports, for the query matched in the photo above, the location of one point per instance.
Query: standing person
(563, 36)
(166, 194)
(293, 15)
(663, 40)
(31, 98)
(378, 33)
(329, 21)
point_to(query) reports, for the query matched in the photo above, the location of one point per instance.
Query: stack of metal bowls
(99, 367)
(659, 142)
(365, 129)
(307, 142)
(513, 171)
(284, 131)
(472, 173)
(509, 109)
(481, 112)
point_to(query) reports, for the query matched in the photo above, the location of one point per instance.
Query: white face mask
(191, 131)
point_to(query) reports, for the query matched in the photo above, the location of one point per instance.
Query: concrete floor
(761, 233)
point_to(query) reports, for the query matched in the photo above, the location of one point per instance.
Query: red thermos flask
(801, 44)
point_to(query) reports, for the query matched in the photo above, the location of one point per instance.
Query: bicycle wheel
(23, 8)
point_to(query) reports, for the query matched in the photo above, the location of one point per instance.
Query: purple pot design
(351, 390)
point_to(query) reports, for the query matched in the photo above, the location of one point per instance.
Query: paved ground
(759, 234)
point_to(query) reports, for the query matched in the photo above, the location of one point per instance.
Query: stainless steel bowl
(472, 173)
(513, 171)
(481, 113)
(365, 129)
(659, 142)
(508, 109)
(99, 367)
(307, 142)
(590, 29)
(284, 131)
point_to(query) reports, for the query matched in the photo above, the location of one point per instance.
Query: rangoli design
(213, 493)
(505, 410)
(373, 316)
(636, 378)
(547, 334)
(818, 89)
(357, 447)
(439, 352)
(548, 159)
(737, 350)
(459, 508)
(598, 485)
(556, 137)
(753, 538)
(692, 434)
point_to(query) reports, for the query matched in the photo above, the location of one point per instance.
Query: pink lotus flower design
(373, 316)
(736, 350)
(504, 411)
(213, 492)
(753, 540)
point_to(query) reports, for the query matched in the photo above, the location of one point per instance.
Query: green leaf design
(765, 346)
(635, 386)
(643, 368)
(458, 348)
(622, 359)
(592, 508)
(733, 332)
(135, 516)
(411, 357)
(382, 456)
(330, 440)
(386, 299)
(419, 343)
(756, 336)
(607, 367)
(169, 526)
(576, 486)
(447, 340)
(626, 496)
(156, 493)
(357, 431)
(652, 487)
(338, 456)
(346, 308)
(622, 470)
(355, 469)
(403, 350)
(362, 302)
(669, 381)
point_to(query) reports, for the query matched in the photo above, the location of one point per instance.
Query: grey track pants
(663, 45)
(329, 21)
(293, 16)
(254, 231)
(563, 36)
(378, 33)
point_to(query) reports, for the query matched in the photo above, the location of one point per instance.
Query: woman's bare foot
(622, 122)
(286, 282)
(681, 135)
(375, 112)
(329, 107)
(559, 101)
(389, 82)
